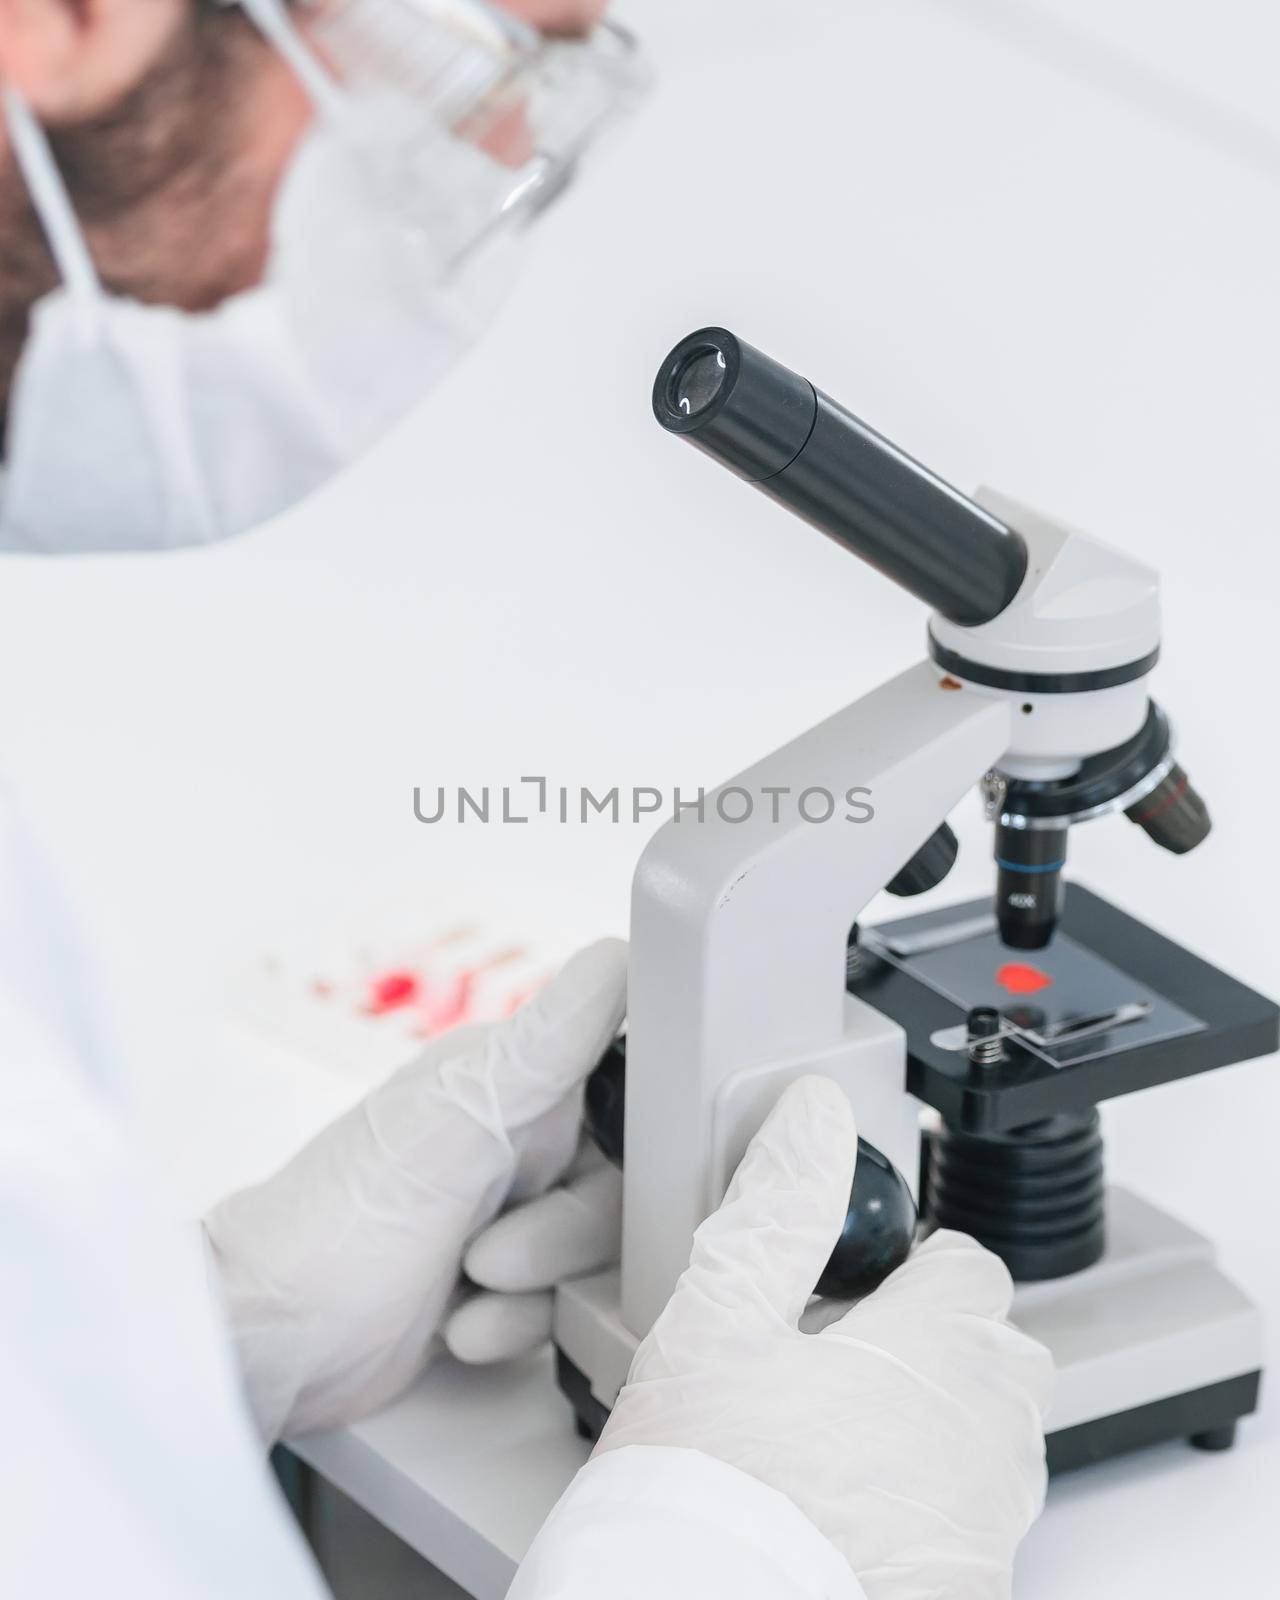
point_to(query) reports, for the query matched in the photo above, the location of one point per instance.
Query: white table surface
(466, 1467)
(1034, 241)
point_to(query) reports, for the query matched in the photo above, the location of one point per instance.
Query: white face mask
(142, 427)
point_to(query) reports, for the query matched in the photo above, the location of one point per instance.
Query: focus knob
(879, 1226)
(929, 866)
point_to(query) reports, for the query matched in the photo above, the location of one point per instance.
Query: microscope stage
(1151, 1341)
(1091, 1017)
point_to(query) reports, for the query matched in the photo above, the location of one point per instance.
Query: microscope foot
(1214, 1438)
(589, 1415)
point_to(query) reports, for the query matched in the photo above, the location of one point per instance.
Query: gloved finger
(498, 1327)
(760, 1255)
(948, 1272)
(546, 1148)
(457, 1118)
(588, 1158)
(551, 1151)
(546, 1049)
(564, 1233)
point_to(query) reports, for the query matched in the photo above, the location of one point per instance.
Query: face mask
(142, 427)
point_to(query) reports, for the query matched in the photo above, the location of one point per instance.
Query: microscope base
(1152, 1343)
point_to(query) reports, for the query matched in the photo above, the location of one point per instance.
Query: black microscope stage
(1109, 1007)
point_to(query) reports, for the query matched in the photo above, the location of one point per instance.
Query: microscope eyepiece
(736, 404)
(773, 428)
(697, 382)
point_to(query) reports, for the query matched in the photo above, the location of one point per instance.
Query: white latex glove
(908, 1431)
(518, 1260)
(337, 1271)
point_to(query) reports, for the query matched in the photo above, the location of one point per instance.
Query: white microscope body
(739, 939)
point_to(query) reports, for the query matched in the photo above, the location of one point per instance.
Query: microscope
(976, 1041)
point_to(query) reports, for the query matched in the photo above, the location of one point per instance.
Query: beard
(172, 183)
(26, 273)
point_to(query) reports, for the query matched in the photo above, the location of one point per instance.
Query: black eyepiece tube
(777, 431)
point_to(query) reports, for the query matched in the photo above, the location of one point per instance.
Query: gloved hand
(337, 1271)
(909, 1430)
(518, 1260)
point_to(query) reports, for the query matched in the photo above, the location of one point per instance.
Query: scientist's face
(172, 122)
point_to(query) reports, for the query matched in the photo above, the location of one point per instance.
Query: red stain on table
(452, 1005)
(1019, 977)
(392, 992)
(439, 1001)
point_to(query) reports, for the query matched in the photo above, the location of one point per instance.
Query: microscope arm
(738, 941)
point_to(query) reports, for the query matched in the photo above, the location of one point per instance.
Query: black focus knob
(879, 1226)
(929, 866)
(1173, 814)
(604, 1101)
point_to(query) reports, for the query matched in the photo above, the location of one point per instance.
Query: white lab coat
(129, 1465)
(648, 1521)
